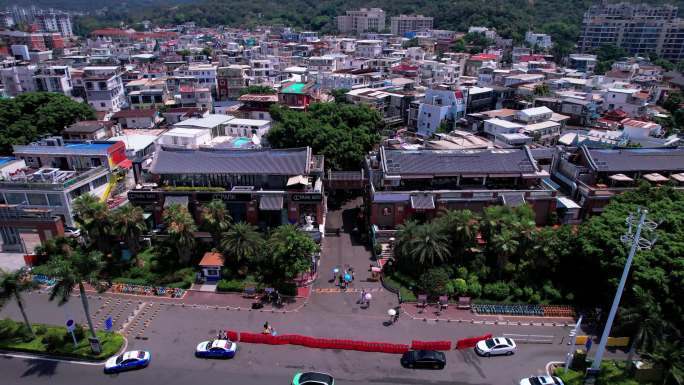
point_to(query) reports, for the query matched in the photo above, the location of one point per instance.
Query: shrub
(230, 285)
(474, 288)
(79, 332)
(131, 281)
(40, 330)
(7, 328)
(289, 289)
(551, 292)
(434, 282)
(53, 340)
(458, 286)
(498, 290)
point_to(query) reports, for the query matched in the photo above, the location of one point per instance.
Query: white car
(495, 347)
(216, 349)
(135, 359)
(541, 380)
(72, 232)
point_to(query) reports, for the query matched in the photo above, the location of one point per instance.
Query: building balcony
(49, 178)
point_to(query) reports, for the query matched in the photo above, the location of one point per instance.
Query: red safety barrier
(431, 345)
(471, 342)
(321, 343)
(233, 335)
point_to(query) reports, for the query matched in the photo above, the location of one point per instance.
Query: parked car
(312, 378)
(216, 349)
(541, 380)
(135, 359)
(72, 232)
(495, 347)
(424, 359)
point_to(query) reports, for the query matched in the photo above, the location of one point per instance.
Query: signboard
(224, 196)
(70, 325)
(95, 345)
(306, 197)
(142, 196)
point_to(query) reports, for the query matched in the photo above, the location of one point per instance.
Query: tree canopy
(34, 114)
(343, 133)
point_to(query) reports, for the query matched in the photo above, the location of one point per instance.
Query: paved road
(172, 332)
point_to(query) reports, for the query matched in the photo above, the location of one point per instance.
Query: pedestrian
(267, 328)
(341, 280)
(368, 299)
(351, 272)
(362, 300)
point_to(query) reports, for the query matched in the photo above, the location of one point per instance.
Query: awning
(655, 177)
(678, 177)
(176, 200)
(127, 163)
(299, 179)
(423, 202)
(271, 202)
(620, 178)
(512, 199)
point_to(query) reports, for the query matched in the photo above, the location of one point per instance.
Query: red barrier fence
(233, 335)
(471, 342)
(320, 343)
(431, 345)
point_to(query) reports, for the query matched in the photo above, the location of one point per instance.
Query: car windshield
(141, 355)
(535, 381)
(508, 341)
(490, 343)
(119, 359)
(315, 378)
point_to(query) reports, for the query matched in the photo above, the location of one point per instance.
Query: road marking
(28, 357)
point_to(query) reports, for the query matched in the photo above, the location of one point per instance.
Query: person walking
(362, 300)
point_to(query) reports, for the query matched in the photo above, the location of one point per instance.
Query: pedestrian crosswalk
(329, 290)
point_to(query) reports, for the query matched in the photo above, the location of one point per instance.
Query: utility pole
(637, 243)
(573, 339)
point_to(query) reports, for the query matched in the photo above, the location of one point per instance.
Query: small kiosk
(211, 265)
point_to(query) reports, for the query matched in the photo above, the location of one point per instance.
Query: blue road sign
(109, 324)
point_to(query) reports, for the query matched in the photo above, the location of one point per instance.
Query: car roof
(131, 354)
(219, 344)
(427, 353)
(315, 377)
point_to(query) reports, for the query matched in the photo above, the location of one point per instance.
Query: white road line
(14, 355)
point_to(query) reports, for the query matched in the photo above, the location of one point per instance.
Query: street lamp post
(637, 243)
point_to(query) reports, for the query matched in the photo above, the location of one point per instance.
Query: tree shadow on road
(40, 368)
(470, 358)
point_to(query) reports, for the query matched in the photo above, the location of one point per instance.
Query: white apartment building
(369, 48)
(18, 79)
(438, 106)
(247, 127)
(625, 99)
(362, 20)
(400, 25)
(204, 73)
(540, 40)
(104, 88)
(54, 79)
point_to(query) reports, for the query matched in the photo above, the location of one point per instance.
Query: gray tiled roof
(206, 161)
(451, 162)
(638, 159)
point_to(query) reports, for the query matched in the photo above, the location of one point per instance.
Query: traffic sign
(70, 325)
(109, 324)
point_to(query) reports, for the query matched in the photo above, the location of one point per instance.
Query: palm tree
(181, 227)
(668, 354)
(56, 246)
(129, 224)
(73, 270)
(406, 232)
(461, 227)
(93, 215)
(241, 241)
(429, 246)
(647, 319)
(216, 219)
(12, 284)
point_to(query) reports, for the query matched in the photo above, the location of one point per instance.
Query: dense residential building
(57, 172)
(539, 40)
(440, 107)
(104, 88)
(19, 79)
(638, 28)
(231, 80)
(362, 20)
(403, 24)
(54, 79)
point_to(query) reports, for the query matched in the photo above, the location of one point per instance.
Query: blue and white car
(216, 349)
(135, 359)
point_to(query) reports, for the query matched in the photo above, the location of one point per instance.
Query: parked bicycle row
(147, 290)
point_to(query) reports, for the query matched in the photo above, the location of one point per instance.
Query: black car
(426, 359)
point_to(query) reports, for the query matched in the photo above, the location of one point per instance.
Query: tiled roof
(637, 159)
(212, 259)
(207, 161)
(451, 162)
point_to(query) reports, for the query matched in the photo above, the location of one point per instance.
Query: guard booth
(211, 265)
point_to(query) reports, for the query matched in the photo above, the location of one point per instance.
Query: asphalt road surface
(174, 332)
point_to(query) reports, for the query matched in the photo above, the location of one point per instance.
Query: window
(37, 199)
(54, 200)
(102, 104)
(15, 198)
(95, 162)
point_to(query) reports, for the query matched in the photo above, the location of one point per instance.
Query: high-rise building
(362, 20)
(640, 29)
(400, 25)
